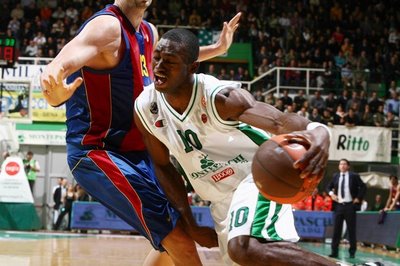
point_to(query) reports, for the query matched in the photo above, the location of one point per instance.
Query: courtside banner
(93, 215)
(312, 224)
(361, 144)
(41, 110)
(14, 186)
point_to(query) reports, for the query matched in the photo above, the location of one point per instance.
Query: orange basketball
(274, 174)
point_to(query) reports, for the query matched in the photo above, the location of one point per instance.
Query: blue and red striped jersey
(100, 112)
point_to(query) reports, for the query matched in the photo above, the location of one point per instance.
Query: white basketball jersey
(215, 154)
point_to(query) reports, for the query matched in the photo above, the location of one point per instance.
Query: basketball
(274, 174)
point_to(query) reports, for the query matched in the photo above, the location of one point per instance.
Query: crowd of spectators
(355, 42)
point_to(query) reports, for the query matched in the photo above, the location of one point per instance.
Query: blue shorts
(126, 184)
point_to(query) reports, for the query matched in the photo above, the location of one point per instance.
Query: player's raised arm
(173, 185)
(224, 41)
(239, 104)
(90, 47)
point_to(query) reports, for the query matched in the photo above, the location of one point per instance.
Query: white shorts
(251, 214)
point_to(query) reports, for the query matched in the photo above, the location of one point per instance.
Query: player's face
(343, 166)
(171, 72)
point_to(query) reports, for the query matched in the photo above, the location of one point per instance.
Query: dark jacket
(357, 186)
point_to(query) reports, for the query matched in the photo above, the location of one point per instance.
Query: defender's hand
(229, 28)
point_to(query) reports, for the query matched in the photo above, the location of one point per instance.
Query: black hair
(345, 160)
(187, 40)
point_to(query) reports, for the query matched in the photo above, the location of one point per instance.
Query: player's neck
(179, 101)
(134, 15)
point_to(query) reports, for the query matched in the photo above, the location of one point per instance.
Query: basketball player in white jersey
(213, 130)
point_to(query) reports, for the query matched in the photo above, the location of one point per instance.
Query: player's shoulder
(104, 24)
(212, 84)
(146, 97)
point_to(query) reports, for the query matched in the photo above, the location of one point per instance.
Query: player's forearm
(175, 190)
(210, 51)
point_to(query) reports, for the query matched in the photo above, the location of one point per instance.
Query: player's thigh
(126, 184)
(251, 214)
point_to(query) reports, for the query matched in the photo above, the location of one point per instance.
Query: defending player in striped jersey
(210, 128)
(107, 65)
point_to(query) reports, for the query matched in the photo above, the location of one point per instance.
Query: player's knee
(239, 249)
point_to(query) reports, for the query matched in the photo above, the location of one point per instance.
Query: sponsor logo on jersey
(204, 118)
(222, 175)
(160, 123)
(208, 166)
(153, 108)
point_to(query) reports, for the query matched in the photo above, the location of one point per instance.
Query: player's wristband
(314, 125)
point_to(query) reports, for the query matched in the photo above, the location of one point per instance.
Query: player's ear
(194, 67)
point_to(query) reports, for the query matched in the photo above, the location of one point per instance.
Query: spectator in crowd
(367, 117)
(378, 204)
(270, 98)
(264, 67)
(59, 192)
(392, 104)
(80, 193)
(286, 99)
(393, 201)
(379, 117)
(347, 191)
(353, 102)
(374, 102)
(303, 112)
(18, 12)
(67, 201)
(39, 39)
(258, 95)
(331, 102)
(343, 98)
(315, 116)
(222, 74)
(315, 202)
(32, 49)
(327, 202)
(351, 119)
(317, 101)
(211, 70)
(327, 118)
(31, 167)
(299, 99)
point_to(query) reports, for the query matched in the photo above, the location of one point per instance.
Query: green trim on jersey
(191, 104)
(215, 112)
(255, 135)
(261, 217)
(271, 228)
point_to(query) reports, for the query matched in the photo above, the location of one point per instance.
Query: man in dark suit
(346, 190)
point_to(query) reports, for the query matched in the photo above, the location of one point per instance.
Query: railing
(277, 74)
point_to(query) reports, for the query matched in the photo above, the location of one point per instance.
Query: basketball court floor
(72, 249)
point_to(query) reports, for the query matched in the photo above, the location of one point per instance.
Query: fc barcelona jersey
(100, 112)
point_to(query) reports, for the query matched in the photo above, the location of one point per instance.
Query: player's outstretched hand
(205, 236)
(55, 90)
(314, 161)
(229, 28)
